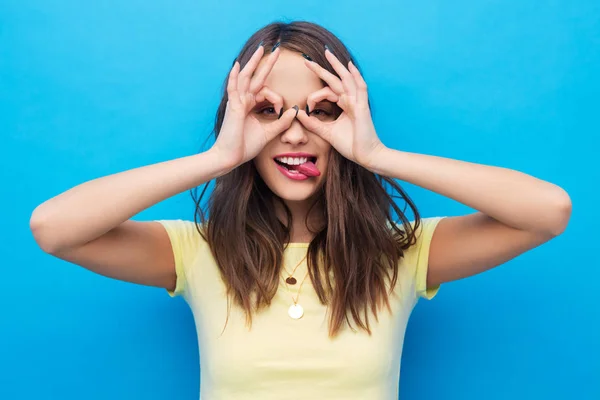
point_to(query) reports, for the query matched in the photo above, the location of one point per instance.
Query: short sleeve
(185, 242)
(418, 257)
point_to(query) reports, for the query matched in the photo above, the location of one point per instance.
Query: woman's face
(294, 82)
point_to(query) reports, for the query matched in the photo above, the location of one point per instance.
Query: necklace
(296, 311)
(290, 280)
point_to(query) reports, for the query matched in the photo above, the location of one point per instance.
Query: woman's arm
(93, 208)
(511, 197)
(89, 225)
(517, 212)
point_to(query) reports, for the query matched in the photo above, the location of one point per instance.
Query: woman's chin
(295, 190)
(295, 193)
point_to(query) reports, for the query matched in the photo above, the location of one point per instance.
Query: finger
(323, 94)
(267, 94)
(259, 78)
(361, 85)
(340, 69)
(332, 81)
(274, 128)
(314, 125)
(248, 70)
(232, 80)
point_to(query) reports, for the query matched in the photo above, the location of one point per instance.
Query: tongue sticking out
(308, 168)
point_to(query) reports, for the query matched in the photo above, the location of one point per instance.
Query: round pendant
(290, 280)
(296, 311)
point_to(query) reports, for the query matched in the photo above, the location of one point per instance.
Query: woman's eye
(318, 112)
(267, 111)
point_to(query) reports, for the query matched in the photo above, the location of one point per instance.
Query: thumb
(276, 127)
(314, 125)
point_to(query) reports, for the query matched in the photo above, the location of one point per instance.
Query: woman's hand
(242, 136)
(352, 134)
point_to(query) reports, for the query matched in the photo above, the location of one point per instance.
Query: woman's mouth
(297, 168)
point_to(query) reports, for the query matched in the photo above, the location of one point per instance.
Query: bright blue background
(92, 88)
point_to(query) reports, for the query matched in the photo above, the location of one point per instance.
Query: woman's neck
(299, 231)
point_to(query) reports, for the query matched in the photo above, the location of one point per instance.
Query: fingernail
(297, 109)
(327, 48)
(276, 46)
(307, 110)
(307, 57)
(260, 44)
(280, 113)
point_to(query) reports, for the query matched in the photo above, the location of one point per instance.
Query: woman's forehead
(291, 78)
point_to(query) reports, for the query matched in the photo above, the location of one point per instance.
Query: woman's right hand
(242, 135)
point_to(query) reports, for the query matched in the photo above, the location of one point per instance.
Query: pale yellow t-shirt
(281, 358)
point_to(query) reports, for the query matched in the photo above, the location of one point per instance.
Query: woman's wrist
(223, 163)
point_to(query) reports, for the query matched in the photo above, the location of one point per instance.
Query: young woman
(302, 278)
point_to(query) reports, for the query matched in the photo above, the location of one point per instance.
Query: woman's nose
(295, 134)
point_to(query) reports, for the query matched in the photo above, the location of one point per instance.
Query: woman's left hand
(352, 134)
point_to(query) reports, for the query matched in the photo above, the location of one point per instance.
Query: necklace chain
(299, 289)
(296, 267)
(301, 283)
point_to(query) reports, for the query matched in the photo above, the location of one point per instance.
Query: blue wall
(92, 88)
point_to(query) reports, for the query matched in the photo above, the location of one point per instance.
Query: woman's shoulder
(423, 231)
(185, 235)
(424, 225)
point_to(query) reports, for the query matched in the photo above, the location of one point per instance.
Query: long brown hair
(352, 255)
